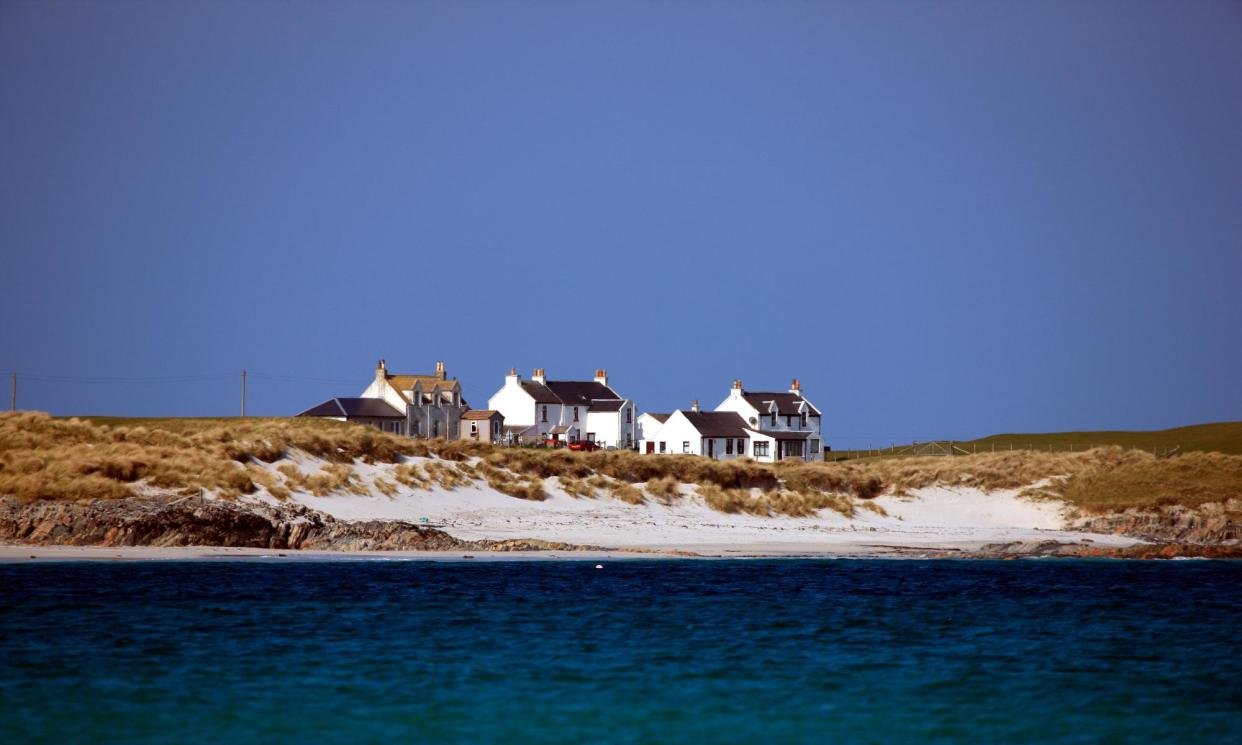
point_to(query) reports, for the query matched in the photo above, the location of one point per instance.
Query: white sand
(931, 518)
(935, 519)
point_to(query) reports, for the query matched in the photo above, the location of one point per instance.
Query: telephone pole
(243, 393)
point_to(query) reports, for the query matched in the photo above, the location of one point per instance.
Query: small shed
(483, 425)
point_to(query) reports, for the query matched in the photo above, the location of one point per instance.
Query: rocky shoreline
(151, 521)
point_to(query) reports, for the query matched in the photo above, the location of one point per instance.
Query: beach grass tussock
(42, 457)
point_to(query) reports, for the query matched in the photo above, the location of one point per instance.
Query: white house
(764, 425)
(789, 425)
(717, 434)
(566, 410)
(648, 425)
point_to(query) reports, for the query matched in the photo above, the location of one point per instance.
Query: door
(711, 448)
(650, 448)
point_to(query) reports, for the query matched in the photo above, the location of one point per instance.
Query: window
(662, 447)
(728, 446)
(685, 446)
(741, 446)
(789, 421)
(545, 412)
(761, 449)
(629, 441)
(474, 428)
(590, 437)
(813, 448)
(435, 428)
(575, 413)
(774, 419)
(803, 418)
(629, 416)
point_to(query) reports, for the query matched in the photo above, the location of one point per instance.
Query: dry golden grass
(666, 490)
(576, 487)
(46, 458)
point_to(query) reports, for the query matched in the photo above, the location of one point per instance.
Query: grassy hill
(1218, 437)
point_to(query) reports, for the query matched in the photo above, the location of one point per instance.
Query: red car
(583, 446)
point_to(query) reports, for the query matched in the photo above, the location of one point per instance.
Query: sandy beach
(940, 521)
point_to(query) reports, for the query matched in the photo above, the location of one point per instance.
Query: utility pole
(13, 400)
(243, 394)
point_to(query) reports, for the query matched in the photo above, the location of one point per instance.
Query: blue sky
(947, 219)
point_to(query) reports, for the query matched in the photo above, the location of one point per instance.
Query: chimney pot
(695, 407)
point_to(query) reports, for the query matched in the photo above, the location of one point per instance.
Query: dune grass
(46, 458)
(1216, 437)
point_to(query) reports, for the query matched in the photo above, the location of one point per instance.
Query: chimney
(601, 376)
(736, 390)
(696, 405)
(440, 370)
(512, 377)
(538, 375)
(795, 387)
(381, 370)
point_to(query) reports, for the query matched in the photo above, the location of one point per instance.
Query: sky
(946, 219)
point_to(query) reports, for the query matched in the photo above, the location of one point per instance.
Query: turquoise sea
(287, 650)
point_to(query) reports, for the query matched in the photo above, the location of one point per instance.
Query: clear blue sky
(947, 219)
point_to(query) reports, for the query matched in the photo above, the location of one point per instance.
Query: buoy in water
(599, 566)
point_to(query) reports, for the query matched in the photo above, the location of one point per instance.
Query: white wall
(676, 430)
(379, 388)
(514, 402)
(646, 427)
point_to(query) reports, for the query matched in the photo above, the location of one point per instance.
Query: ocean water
(639, 651)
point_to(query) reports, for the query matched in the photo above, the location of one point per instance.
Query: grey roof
(786, 435)
(354, 407)
(717, 423)
(540, 392)
(580, 392)
(786, 403)
(562, 429)
(612, 405)
(518, 429)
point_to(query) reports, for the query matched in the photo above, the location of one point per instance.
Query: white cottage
(717, 434)
(764, 425)
(539, 409)
(785, 425)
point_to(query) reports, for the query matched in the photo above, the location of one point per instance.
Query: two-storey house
(539, 410)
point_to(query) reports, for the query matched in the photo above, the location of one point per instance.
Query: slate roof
(717, 423)
(354, 407)
(580, 392)
(574, 393)
(540, 392)
(661, 418)
(786, 403)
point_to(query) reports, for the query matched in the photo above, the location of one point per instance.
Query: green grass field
(1220, 437)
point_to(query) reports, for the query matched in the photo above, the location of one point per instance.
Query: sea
(621, 651)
